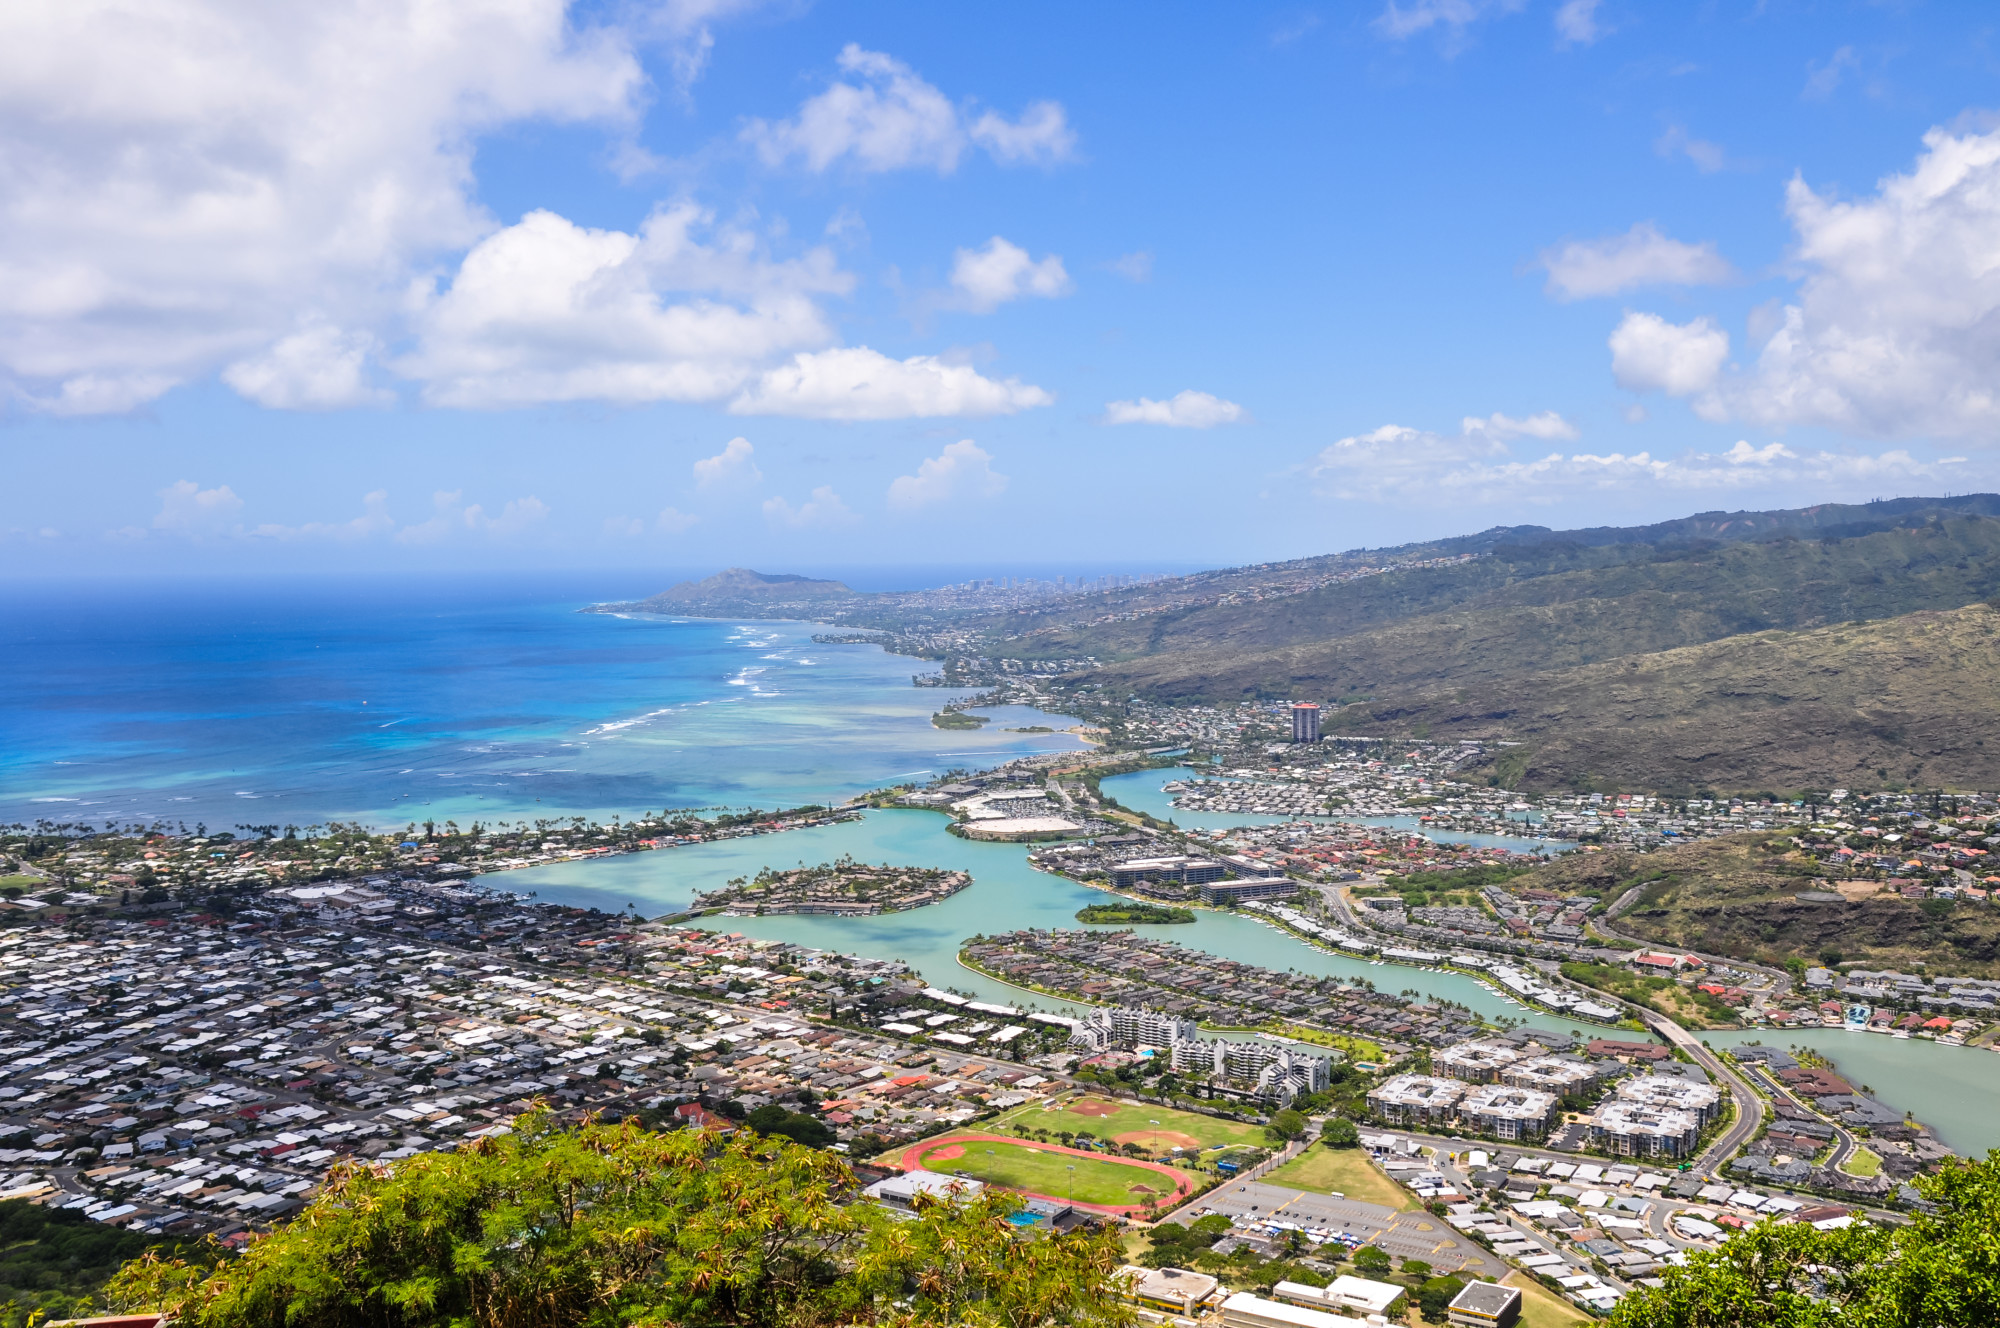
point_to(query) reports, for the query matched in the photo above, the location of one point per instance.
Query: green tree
(1943, 1267)
(1434, 1296)
(1340, 1132)
(1287, 1124)
(617, 1227)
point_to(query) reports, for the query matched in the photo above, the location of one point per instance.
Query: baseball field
(1048, 1171)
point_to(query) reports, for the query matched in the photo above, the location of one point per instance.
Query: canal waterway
(1006, 894)
(1143, 791)
(1951, 1089)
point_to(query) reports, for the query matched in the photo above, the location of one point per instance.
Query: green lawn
(1022, 1167)
(1863, 1163)
(1540, 1308)
(1130, 1118)
(1343, 1171)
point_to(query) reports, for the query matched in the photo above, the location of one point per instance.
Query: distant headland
(735, 586)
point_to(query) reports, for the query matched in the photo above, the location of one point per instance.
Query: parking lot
(1403, 1235)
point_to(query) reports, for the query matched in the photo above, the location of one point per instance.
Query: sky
(386, 285)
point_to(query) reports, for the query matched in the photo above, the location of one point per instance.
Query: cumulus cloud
(451, 518)
(184, 179)
(885, 117)
(1896, 328)
(734, 467)
(1649, 354)
(1183, 410)
(963, 470)
(856, 383)
(547, 310)
(1642, 256)
(1546, 425)
(318, 367)
(1400, 464)
(824, 510)
(987, 278)
(188, 509)
(374, 520)
(1577, 23)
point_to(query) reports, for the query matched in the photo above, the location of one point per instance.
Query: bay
(300, 703)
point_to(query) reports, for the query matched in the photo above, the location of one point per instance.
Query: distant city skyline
(697, 283)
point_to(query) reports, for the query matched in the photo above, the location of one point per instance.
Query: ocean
(299, 702)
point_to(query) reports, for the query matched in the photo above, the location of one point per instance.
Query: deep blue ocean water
(388, 701)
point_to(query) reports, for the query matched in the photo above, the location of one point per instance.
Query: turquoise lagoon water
(1006, 894)
(1954, 1090)
(1142, 792)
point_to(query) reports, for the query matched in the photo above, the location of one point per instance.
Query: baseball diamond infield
(1119, 1186)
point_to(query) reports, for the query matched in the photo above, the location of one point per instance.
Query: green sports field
(1107, 1118)
(1021, 1167)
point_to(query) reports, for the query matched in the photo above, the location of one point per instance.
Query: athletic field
(1049, 1171)
(1128, 1122)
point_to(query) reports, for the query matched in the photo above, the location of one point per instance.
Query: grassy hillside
(1737, 896)
(1911, 701)
(1531, 609)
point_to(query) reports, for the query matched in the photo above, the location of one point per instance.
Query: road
(1750, 1110)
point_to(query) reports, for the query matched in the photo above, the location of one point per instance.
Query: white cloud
(319, 367)
(856, 383)
(1399, 464)
(546, 310)
(1642, 256)
(734, 467)
(374, 520)
(1184, 410)
(988, 278)
(1707, 157)
(184, 179)
(824, 510)
(188, 509)
(888, 118)
(1576, 23)
(1896, 328)
(1649, 354)
(1041, 136)
(1450, 17)
(450, 518)
(672, 522)
(1546, 425)
(963, 470)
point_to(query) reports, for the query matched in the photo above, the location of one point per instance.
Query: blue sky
(514, 284)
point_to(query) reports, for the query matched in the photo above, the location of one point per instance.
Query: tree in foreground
(1940, 1270)
(616, 1227)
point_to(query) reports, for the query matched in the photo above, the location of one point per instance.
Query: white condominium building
(1704, 1101)
(1416, 1099)
(1634, 1129)
(1475, 1062)
(1508, 1113)
(1551, 1074)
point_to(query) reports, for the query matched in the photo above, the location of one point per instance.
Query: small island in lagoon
(1128, 912)
(844, 888)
